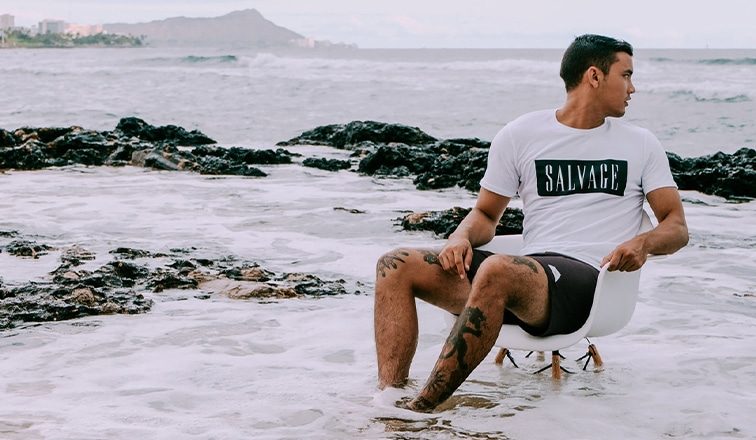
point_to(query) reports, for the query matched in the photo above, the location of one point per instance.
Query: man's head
(590, 50)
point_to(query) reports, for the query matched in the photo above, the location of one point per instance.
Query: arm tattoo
(389, 261)
(430, 257)
(525, 262)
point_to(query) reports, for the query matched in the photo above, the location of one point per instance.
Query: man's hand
(456, 256)
(628, 256)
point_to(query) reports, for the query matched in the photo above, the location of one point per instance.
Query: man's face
(617, 86)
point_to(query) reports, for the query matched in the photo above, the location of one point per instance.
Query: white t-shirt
(582, 190)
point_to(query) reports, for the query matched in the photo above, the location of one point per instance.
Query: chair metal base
(556, 358)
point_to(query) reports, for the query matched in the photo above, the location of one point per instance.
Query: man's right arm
(477, 228)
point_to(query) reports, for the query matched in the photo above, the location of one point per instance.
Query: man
(582, 179)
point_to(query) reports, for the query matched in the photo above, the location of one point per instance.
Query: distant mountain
(247, 28)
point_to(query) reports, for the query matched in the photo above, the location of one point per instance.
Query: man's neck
(580, 114)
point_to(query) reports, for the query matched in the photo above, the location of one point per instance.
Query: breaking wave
(729, 61)
(689, 94)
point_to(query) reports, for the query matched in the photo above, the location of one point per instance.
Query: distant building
(83, 29)
(52, 26)
(7, 21)
(304, 42)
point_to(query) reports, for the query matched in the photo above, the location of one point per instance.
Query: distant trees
(24, 38)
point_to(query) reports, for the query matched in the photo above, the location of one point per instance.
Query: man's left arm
(667, 237)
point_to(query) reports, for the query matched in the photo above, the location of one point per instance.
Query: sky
(444, 23)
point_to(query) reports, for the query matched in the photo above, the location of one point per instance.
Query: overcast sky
(444, 23)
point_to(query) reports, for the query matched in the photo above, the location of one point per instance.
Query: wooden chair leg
(592, 354)
(597, 361)
(505, 353)
(556, 367)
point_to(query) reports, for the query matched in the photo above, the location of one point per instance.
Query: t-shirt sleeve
(656, 173)
(501, 175)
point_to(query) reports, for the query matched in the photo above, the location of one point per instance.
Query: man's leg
(401, 276)
(502, 282)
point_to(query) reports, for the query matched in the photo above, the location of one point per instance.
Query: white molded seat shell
(613, 303)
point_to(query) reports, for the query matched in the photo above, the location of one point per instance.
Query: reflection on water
(432, 428)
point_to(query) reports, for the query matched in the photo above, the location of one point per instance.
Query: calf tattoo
(389, 261)
(442, 383)
(456, 343)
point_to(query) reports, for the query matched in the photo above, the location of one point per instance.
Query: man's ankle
(383, 384)
(421, 404)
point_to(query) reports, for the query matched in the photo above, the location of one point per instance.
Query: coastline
(202, 366)
(17, 39)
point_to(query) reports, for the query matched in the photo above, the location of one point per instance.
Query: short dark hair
(590, 50)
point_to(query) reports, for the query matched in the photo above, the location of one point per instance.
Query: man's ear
(593, 76)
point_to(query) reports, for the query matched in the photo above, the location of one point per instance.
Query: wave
(360, 63)
(193, 59)
(747, 61)
(215, 59)
(715, 99)
(744, 61)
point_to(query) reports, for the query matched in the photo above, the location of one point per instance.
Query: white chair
(613, 306)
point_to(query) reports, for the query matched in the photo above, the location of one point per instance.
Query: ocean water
(695, 101)
(226, 369)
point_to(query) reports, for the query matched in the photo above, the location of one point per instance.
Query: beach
(218, 368)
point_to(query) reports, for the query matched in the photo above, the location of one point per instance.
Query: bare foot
(417, 404)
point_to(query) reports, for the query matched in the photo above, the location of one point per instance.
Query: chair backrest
(615, 296)
(504, 244)
(613, 302)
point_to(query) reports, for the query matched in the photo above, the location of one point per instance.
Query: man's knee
(494, 269)
(516, 281)
(508, 269)
(505, 274)
(393, 263)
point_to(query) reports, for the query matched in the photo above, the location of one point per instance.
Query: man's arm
(477, 228)
(667, 237)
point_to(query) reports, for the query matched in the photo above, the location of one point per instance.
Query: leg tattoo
(456, 343)
(430, 257)
(443, 382)
(389, 261)
(525, 262)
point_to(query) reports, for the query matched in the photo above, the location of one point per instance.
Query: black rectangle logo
(565, 177)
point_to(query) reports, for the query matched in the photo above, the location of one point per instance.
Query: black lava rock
(26, 248)
(727, 175)
(443, 223)
(346, 136)
(172, 134)
(327, 164)
(7, 139)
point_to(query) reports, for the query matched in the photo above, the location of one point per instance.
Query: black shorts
(570, 296)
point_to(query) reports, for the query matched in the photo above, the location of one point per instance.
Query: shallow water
(221, 368)
(224, 369)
